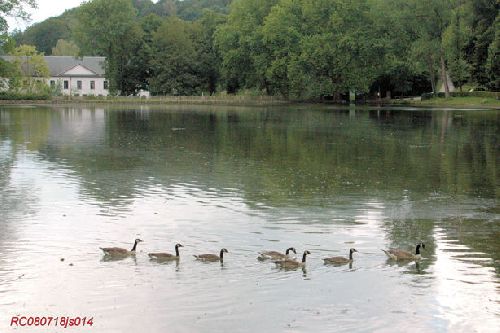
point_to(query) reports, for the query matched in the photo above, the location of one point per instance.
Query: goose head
(137, 241)
(419, 245)
(306, 252)
(221, 254)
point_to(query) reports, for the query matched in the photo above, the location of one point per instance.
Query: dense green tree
(8, 45)
(208, 55)
(13, 8)
(29, 72)
(484, 14)
(109, 28)
(194, 9)
(432, 19)
(354, 53)
(493, 61)
(10, 8)
(65, 48)
(44, 35)
(300, 48)
(139, 71)
(282, 33)
(164, 8)
(144, 7)
(241, 45)
(174, 61)
(454, 41)
(294, 48)
(400, 74)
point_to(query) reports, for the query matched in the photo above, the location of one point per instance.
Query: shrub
(484, 94)
(12, 96)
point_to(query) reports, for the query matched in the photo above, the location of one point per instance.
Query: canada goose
(340, 260)
(275, 255)
(397, 254)
(290, 263)
(118, 251)
(212, 257)
(166, 256)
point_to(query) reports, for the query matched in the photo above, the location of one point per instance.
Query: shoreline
(452, 103)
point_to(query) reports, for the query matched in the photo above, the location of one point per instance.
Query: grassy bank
(158, 100)
(453, 102)
(12, 97)
(467, 102)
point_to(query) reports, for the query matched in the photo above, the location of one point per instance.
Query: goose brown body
(212, 257)
(291, 263)
(166, 256)
(398, 254)
(118, 251)
(340, 260)
(275, 255)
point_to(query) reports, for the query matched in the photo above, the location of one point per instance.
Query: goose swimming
(118, 251)
(166, 256)
(340, 260)
(291, 263)
(212, 257)
(275, 255)
(397, 254)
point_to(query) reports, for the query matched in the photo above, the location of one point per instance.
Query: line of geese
(281, 259)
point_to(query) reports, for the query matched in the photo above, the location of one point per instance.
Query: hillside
(44, 35)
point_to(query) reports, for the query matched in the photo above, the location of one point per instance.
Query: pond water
(323, 179)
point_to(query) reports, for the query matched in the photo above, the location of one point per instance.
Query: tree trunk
(431, 73)
(444, 77)
(336, 97)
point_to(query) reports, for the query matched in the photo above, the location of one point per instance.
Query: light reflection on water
(81, 187)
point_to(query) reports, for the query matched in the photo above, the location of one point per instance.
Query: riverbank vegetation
(454, 102)
(299, 50)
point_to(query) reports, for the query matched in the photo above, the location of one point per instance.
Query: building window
(66, 84)
(105, 84)
(79, 85)
(92, 85)
(52, 83)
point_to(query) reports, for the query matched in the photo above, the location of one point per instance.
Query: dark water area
(322, 179)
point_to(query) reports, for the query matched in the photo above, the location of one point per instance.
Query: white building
(76, 76)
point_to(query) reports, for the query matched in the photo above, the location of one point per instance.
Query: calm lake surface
(250, 179)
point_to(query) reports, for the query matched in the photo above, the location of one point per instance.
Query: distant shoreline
(452, 102)
(455, 102)
(167, 100)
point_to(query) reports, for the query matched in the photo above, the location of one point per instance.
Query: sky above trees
(46, 9)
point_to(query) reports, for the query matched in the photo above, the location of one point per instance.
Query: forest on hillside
(298, 49)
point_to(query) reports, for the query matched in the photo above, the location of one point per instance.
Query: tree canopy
(305, 49)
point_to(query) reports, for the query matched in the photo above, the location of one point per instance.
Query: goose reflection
(107, 258)
(413, 267)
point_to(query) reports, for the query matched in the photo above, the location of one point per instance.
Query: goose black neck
(417, 250)
(304, 257)
(221, 255)
(133, 248)
(350, 254)
(176, 251)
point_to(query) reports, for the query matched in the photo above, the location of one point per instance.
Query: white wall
(85, 90)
